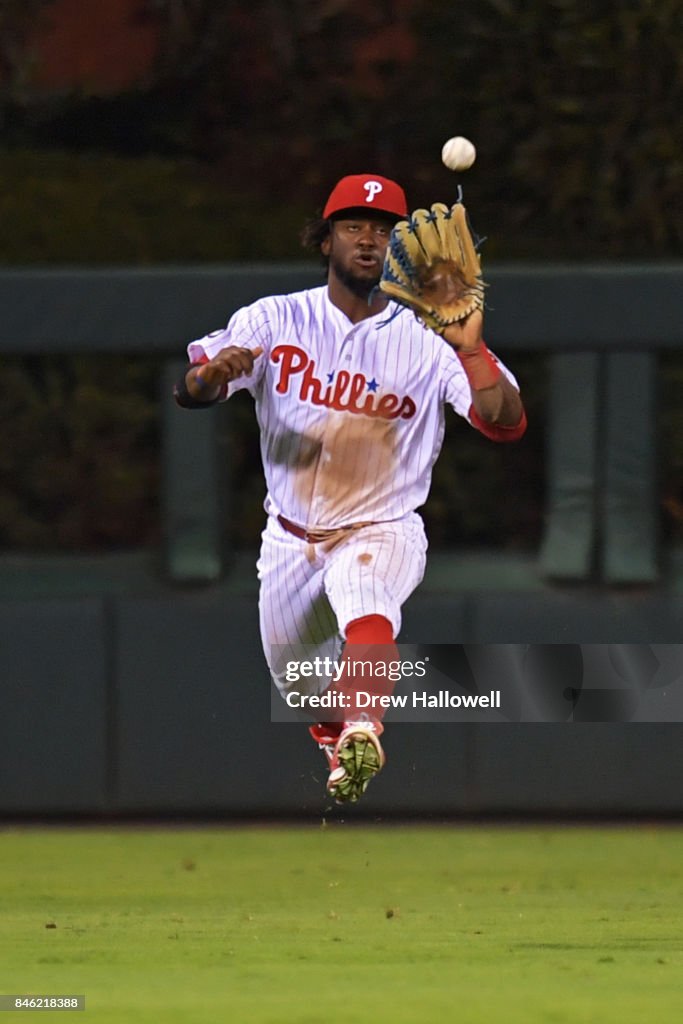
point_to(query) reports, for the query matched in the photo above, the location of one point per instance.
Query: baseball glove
(432, 266)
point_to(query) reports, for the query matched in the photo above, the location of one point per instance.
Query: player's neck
(355, 307)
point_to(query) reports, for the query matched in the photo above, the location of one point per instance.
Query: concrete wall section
(55, 745)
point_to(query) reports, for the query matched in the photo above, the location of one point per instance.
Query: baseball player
(350, 390)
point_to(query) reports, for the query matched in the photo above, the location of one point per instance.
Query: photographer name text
(417, 700)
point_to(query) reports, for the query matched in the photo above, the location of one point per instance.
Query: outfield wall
(161, 704)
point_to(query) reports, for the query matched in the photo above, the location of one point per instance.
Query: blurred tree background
(204, 130)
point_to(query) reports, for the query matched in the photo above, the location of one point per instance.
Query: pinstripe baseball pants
(310, 592)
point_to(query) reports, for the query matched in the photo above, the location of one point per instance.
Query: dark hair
(313, 234)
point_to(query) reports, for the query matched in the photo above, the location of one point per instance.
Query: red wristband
(481, 368)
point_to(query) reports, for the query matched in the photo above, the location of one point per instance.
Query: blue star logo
(372, 385)
(330, 377)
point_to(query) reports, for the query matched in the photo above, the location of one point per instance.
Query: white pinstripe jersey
(351, 415)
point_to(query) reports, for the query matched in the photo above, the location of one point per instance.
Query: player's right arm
(228, 360)
(205, 383)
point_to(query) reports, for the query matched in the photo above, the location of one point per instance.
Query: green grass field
(276, 925)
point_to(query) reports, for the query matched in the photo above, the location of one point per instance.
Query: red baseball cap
(367, 190)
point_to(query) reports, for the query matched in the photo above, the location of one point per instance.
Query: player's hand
(230, 364)
(465, 336)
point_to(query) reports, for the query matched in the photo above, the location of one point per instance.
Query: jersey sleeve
(250, 327)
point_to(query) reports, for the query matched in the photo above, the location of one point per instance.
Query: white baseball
(458, 153)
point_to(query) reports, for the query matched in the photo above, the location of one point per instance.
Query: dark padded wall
(161, 704)
(54, 710)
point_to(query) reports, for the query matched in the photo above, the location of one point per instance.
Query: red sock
(368, 651)
(371, 629)
(368, 639)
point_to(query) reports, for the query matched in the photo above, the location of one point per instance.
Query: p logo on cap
(372, 188)
(383, 194)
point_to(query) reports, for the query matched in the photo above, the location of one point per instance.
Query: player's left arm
(497, 408)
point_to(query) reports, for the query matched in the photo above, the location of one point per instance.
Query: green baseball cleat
(356, 759)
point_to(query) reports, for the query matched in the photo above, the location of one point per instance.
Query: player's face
(356, 249)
